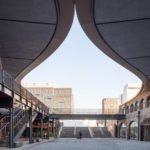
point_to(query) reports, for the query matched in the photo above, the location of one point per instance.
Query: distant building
(59, 100)
(120, 101)
(130, 90)
(110, 105)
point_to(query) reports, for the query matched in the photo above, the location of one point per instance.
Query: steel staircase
(21, 120)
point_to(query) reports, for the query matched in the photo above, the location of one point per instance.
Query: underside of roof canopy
(121, 29)
(30, 31)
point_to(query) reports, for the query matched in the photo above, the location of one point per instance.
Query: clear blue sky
(80, 65)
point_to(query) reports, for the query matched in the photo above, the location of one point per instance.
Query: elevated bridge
(89, 114)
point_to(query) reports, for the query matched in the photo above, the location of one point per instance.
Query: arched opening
(127, 109)
(145, 130)
(133, 131)
(131, 108)
(124, 110)
(123, 128)
(148, 102)
(136, 105)
(142, 104)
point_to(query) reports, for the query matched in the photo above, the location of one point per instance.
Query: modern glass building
(59, 100)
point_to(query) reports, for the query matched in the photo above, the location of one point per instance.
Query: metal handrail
(6, 116)
(8, 81)
(2, 117)
(4, 121)
(4, 125)
(20, 120)
(20, 123)
(85, 111)
(19, 112)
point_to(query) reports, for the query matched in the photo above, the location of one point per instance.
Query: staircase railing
(20, 118)
(22, 121)
(4, 119)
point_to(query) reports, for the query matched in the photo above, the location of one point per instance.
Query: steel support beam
(53, 127)
(11, 131)
(117, 132)
(30, 126)
(41, 127)
(105, 123)
(48, 131)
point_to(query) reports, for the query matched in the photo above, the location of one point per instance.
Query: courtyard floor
(88, 144)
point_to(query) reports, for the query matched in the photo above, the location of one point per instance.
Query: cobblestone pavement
(89, 144)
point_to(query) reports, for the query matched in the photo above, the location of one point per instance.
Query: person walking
(80, 135)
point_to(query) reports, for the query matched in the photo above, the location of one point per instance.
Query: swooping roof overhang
(121, 29)
(30, 31)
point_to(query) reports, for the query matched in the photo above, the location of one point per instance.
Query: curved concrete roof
(30, 31)
(121, 29)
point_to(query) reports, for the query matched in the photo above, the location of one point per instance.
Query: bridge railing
(8, 81)
(85, 111)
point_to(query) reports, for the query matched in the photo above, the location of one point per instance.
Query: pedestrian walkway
(88, 144)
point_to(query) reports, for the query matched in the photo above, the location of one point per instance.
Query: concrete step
(84, 130)
(100, 132)
(106, 132)
(96, 132)
(67, 132)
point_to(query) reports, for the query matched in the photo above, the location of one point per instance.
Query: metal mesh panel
(23, 92)
(7, 80)
(28, 95)
(1, 76)
(16, 87)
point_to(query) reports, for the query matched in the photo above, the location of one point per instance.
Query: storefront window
(134, 131)
(123, 130)
(131, 108)
(136, 105)
(127, 109)
(148, 101)
(142, 104)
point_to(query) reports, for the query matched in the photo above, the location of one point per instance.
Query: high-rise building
(59, 100)
(110, 105)
(130, 90)
(120, 101)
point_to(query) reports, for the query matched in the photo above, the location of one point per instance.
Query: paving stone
(89, 144)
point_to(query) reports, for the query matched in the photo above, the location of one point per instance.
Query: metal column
(139, 128)
(128, 132)
(105, 123)
(11, 131)
(53, 127)
(118, 129)
(41, 127)
(30, 126)
(48, 132)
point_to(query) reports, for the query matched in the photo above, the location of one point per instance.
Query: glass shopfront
(134, 131)
(123, 128)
